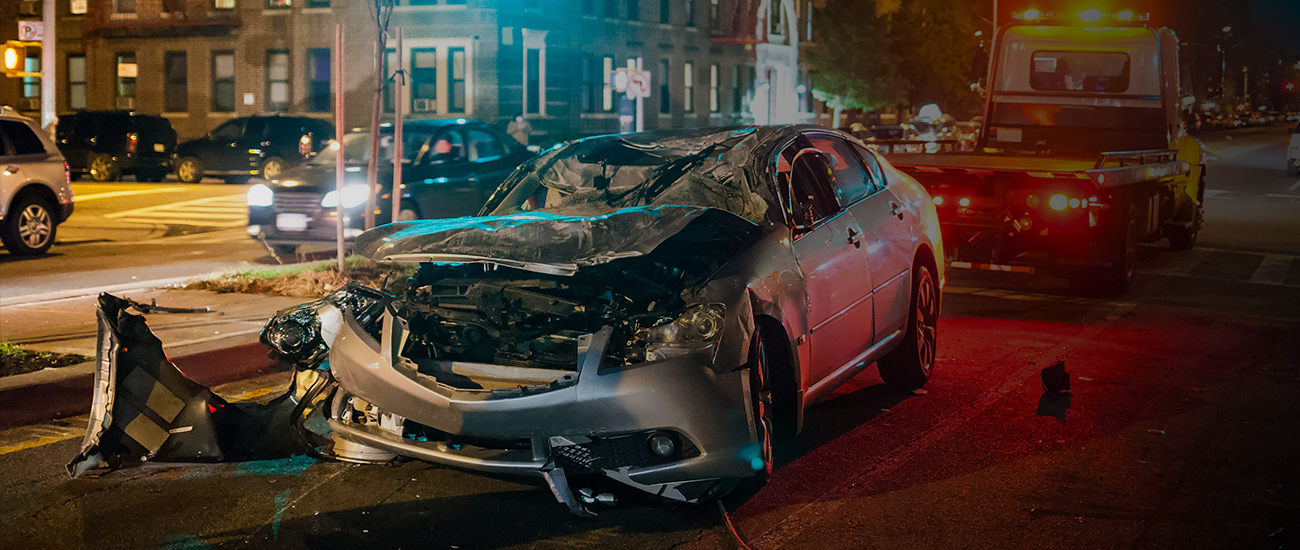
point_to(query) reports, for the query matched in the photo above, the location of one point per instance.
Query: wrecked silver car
(655, 309)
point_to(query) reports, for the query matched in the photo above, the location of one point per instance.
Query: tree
(852, 65)
(934, 42)
(381, 12)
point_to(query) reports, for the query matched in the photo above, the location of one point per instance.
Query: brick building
(200, 62)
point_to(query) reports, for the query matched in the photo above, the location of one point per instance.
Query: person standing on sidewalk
(519, 128)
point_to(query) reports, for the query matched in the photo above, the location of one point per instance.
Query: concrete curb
(92, 291)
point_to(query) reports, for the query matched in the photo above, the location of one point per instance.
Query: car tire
(762, 392)
(189, 170)
(271, 168)
(30, 227)
(910, 365)
(104, 168)
(284, 249)
(1117, 278)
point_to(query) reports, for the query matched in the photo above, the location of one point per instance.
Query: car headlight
(352, 197)
(697, 329)
(295, 333)
(260, 195)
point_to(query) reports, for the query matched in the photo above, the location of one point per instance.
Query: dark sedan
(450, 166)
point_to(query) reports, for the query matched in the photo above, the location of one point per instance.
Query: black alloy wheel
(910, 365)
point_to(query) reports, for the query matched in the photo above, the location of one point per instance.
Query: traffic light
(13, 55)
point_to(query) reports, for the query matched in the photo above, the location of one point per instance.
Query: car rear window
(22, 140)
(1106, 72)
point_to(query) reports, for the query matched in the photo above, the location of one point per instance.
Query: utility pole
(48, 86)
(398, 83)
(339, 88)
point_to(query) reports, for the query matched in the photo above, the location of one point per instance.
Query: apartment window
(77, 7)
(223, 81)
(322, 4)
(634, 10)
(688, 82)
(123, 6)
(665, 12)
(32, 84)
(126, 73)
(611, 8)
(737, 90)
(713, 88)
(176, 83)
(607, 92)
(586, 88)
(588, 7)
(775, 14)
(390, 65)
(278, 4)
(531, 3)
(690, 13)
(424, 79)
(665, 98)
(456, 82)
(318, 80)
(223, 4)
(750, 83)
(715, 16)
(533, 90)
(277, 80)
(77, 82)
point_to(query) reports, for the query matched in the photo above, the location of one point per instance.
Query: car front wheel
(29, 230)
(189, 170)
(272, 168)
(910, 364)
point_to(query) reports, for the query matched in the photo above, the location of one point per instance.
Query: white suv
(1293, 153)
(34, 193)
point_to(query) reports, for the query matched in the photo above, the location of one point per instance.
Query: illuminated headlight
(352, 197)
(260, 195)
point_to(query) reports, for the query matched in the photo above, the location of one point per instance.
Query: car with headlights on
(1293, 153)
(449, 167)
(654, 310)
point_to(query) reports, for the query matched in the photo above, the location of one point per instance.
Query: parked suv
(450, 167)
(110, 144)
(251, 146)
(34, 193)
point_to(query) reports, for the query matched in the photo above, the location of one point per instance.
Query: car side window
(877, 174)
(803, 176)
(22, 140)
(229, 131)
(484, 147)
(257, 129)
(851, 182)
(448, 147)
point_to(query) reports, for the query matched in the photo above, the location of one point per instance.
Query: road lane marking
(1294, 186)
(223, 211)
(111, 194)
(39, 435)
(1273, 270)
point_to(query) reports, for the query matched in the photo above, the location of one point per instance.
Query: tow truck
(1083, 154)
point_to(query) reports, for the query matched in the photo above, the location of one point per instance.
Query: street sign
(638, 84)
(31, 31)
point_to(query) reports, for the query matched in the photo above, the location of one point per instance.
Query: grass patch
(311, 280)
(15, 359)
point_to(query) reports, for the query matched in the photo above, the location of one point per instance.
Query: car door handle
(896, 210)
(854, 239)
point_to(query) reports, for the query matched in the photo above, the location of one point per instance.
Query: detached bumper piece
(145, 409)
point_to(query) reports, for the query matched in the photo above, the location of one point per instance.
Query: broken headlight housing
(295, 333)
(697, 329)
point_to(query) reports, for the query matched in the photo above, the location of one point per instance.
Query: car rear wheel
(104, 168)
(30, 227)
(189, 170)
(910, 364)
(272, 168)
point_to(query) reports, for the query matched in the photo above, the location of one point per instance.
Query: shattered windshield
(601, 175)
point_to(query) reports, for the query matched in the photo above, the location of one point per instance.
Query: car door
(888, 223)
(71, 135)
(837, 278)
(222, 151)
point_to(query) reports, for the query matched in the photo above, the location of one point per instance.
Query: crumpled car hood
(545, 242)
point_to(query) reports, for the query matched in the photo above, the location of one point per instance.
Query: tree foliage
(852, 65)
(934, 42)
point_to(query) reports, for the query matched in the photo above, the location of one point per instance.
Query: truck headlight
(352, 197)
(260, 195)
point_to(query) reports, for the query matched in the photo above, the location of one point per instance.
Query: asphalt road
(1179, 432)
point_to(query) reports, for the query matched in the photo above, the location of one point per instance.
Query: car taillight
(131, 140)
(304, 145)
(67, 173)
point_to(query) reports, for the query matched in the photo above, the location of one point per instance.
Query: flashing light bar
(1090, 15)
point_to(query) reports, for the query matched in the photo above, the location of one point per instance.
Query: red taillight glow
(131, 140)
(67, 173)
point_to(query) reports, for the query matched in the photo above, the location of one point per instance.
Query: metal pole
(48, 85)
(640, 104)
(397, 132)
(338, 134)
(372, 167)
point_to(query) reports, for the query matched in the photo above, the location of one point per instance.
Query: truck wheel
(189, 170)
(104, 168)
(29, 229)
(1118, 278)
(909, 365)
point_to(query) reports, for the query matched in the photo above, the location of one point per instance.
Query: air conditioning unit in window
(423, 105)
(29, 104)
(126, 103)
(29, 7)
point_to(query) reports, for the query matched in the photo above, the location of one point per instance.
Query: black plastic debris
(1055, 401)
(1054, 378)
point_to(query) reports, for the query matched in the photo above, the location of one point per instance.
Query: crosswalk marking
(1273, 270)
(224, 211)
(112, 194)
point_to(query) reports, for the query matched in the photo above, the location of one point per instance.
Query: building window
(634, 10)
(223, 4)
(424, 80)
(223, 81)
(176, 82)
(123, 6)
(277, 81)
(318, 80)
(715, 16)
(278, 4)
(750, 83)
(688, 82)
(611, 8)
(32, 84)
(607, 91)
(456, 82)
(533, 88)
(665, 97)
(531, 3)
(77, 7)
(713, 88)
(126, 73)
(737, 89)
(77, 81)
(665, 12)
(320, 4)
(775, 14)
(390, 65)
(421, 2)
(588, 7)
(586, 89)
(690, 13)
